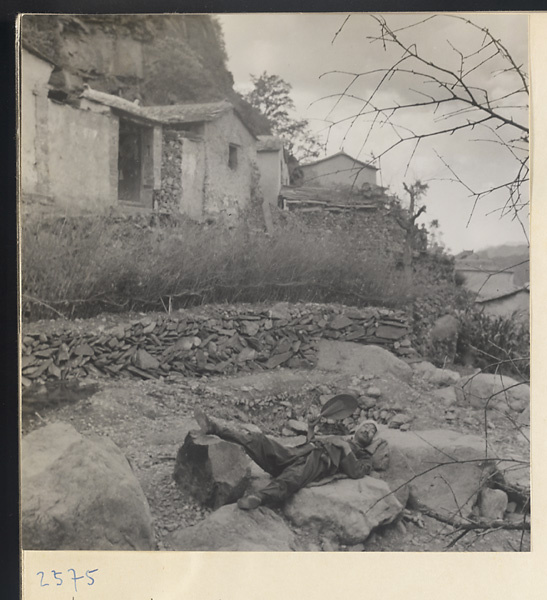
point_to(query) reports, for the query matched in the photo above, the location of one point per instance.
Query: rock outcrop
(346, 510)
(230, 528)
(213, 471)
(355, 359)
(443, 469)
(493, 390)
(80, 494)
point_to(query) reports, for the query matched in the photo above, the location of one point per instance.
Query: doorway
(130, 162)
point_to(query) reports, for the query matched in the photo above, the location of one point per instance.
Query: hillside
(504, 257)
(504, 251)
(156, 59)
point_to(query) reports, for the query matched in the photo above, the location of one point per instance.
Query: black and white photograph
(275, 282)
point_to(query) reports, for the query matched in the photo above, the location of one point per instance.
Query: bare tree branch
(449, 93)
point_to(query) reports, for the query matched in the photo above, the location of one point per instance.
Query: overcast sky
(301, 49)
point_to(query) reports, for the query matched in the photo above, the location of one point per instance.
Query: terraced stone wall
(209, 340)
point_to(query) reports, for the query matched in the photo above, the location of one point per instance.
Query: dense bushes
(494, 344)
(79, 267)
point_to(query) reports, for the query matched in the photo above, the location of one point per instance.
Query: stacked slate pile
(206, 341)
(168, 197)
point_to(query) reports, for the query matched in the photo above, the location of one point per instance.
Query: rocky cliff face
(156, 59)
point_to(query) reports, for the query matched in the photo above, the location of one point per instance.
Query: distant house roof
(506, 294)
(269, 143)
(170, 114)
(483, 265)
(327, 158)
(319, 198)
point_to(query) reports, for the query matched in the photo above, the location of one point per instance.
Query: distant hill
(514, 257)
(503, 251)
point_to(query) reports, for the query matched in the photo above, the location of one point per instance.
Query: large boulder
(447, 396)
(355, 359)
(435, 375)
(396, 475)
(445, 329)
(346, 510)
(443, 338)
(444, 377)
(493, 390)
(517, 473)
(443, 469)
(213, 471)
(230, 528)
(524, 418)
(80, 493)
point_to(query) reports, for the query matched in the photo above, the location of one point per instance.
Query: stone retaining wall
(208, 340)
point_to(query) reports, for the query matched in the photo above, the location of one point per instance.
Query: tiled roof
(504, 294)
(33, 50)
(188, 113)
(326, 197)
(168, 115)
(327, 158)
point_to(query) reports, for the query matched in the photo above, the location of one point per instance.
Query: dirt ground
(149, 420)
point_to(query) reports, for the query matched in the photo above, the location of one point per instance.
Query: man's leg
(268, 454)
(296, 476)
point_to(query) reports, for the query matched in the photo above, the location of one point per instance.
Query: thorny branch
(455, 94)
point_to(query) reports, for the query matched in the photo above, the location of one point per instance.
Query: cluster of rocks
(483, 391)
(371, 405)
(79, 493)
(222, 340)
(66, 474)
(444, 470)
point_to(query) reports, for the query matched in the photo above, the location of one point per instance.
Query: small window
(232, 156)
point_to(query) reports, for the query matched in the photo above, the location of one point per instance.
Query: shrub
(499, 344)
(82, 266)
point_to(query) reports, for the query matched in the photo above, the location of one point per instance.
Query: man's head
(364, 433)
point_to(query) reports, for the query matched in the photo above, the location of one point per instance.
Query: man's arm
(349, 464)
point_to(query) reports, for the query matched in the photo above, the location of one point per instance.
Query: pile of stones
(206, 341)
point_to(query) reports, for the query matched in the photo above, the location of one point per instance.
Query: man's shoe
(249, 502)
(203, 420)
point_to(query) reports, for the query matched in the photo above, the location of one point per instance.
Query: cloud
(301, 48)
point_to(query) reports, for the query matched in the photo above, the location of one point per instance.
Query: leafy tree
(272, 96)
(416, 191)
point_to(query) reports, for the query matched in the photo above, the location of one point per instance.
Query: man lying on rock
(294, 468)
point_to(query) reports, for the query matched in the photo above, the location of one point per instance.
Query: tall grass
(494, 343)
(79, 267)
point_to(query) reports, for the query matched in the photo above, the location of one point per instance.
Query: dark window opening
(58, 95)
(232, 156)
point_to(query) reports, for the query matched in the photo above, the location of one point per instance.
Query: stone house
(272, 166)
(338, 170)
(514, 303)
(196, 159)
(485, 278)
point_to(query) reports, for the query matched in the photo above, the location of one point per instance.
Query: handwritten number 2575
(59, 580)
